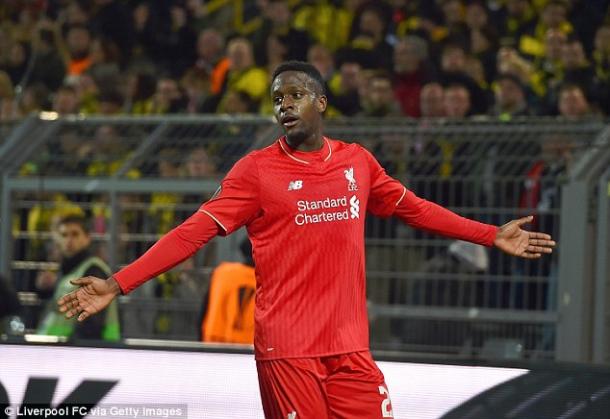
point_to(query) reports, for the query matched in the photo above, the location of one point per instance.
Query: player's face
(297, 107)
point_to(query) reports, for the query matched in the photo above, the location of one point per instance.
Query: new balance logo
(292, 415)
(295, 185)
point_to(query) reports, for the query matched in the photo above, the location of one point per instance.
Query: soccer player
(303, 200)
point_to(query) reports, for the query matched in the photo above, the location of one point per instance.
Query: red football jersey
(304, 212)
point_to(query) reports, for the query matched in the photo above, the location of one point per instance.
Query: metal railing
(138, 177)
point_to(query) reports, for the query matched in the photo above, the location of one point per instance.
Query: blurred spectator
(65, 101)
(141, 88)
(457, 101)
(179, 43)
(510, 98)
(17, 62)
(72, 154)
(161, 211)
(228, 310)
(146, 23)
(74, 13)
(199, 164)
(49, 67)
(9, 303)
(518, 19)
(412, 70)
(43, 217)
(78, 43)
(77, 260)
(455, 71)
(343, 90)
(475, 70)
(573, 103)
(601, 53)
(108, 153)
(368, 43)
(105, 58)
(243, 74)
(378, 99)
(111, 18)
(277, 50)
(552, 18)
(542, 184)
(576, 67)
(432, 101)
(548, 68)
(35, 98)
(277, 20)
(88, 92)
(211, 58)
(454, 26)
(110, 102)
(601, 63)
(326, 22)
(8, 106)
(95, 42)
(168, 98)
(510, 62)
(321, 58)
(483, 37)
(238, 102)
(196, 87)
(453, 58)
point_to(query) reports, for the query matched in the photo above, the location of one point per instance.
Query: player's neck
(312, 143)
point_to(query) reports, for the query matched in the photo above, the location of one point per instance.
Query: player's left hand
(512, 239)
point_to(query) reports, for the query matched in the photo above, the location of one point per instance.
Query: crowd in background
(412, 58)
(416, 58)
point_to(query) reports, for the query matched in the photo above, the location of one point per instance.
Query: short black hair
(302, 67)
(75, 219)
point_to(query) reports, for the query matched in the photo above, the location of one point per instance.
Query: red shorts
(346, 386)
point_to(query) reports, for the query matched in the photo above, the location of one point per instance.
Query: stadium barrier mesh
(136, 178)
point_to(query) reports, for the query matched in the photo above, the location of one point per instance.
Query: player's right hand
(92, 296)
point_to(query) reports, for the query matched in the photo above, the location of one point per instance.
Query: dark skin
(298, 104)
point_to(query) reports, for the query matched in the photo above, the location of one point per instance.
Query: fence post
(601, 328)
(574, 301)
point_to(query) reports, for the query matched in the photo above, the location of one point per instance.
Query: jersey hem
(318, 355)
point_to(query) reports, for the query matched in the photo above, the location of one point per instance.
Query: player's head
(299, 100)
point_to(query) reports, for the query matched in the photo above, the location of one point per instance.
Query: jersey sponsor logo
(341, 209)
(351, 180)
(295, 185)
(292, 415)
(354, 207)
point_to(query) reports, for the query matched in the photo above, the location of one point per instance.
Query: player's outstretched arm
(92, 296)
(512, 239)
(176, 246)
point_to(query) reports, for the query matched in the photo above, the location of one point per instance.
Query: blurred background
(127, 114)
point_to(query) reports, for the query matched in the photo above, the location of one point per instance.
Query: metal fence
(136, 178)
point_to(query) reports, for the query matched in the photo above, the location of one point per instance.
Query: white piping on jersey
(215, 219)
(404, 192)
(330, 152)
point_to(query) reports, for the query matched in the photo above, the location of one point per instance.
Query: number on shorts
(386, 404)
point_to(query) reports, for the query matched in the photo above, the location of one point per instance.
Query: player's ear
(321, 103)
